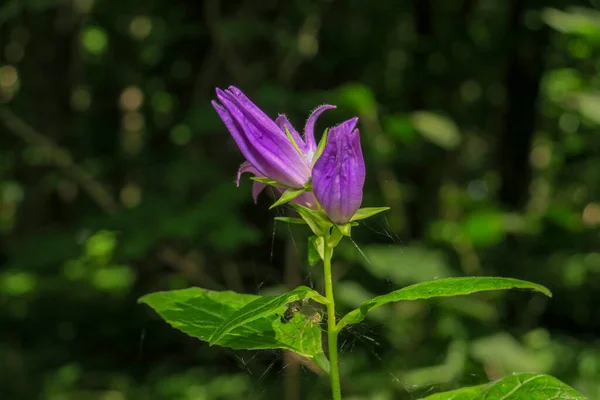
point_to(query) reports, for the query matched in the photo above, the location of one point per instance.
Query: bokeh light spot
(181, 134)
(140, 27)
(131, 98)
(591, 215)
(94, 40)
(131, 195)
(81, 98)
(162, 102)
(470, 90)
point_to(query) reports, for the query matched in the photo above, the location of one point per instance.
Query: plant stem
(332, 331)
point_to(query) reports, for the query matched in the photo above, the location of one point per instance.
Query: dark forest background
(480, 128)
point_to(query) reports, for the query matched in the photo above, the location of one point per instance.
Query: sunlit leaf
(199, 312)
(589, 106)
(516, 387)
(580, 21)
(508, 355)
(263, 306)
(437, 128)
(448, 371)
(441, 288)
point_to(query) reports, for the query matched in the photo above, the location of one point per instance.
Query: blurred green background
(480, 128)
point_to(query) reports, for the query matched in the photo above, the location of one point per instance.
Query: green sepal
(367, 212)
(345, 229)
(291, 220)
(335, 237)
(321, 146)
(287, 196)
(267, 181)
(316, 220)
(291, 138)
(316, 249)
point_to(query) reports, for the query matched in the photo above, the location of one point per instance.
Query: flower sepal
(320, 147)
(316, 249)
(287, 196)
(367, 212)
(335, 237)
(267, 181)
(316, 220)
(291, 220)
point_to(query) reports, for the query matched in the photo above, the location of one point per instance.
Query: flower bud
(338, 175)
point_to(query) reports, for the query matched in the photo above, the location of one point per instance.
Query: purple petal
(246, 167)
(339, 174)
(309, 128)
(306, 199)
(283, 123)
(257, 187)
(247, 104)
(270, 152)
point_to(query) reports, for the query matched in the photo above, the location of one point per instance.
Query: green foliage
(117, 179)
(441, 288)
(436, 128)
(261, 307)
(241, 321)
(516, 387)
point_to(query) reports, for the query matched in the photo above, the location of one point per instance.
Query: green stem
(332, 331)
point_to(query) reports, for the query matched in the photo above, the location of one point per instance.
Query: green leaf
(509, 355)
(321, 146)
(291, 220)
(440, 288)
(263, 306)
(199, 312)
(580, 22)
(367, 212)
(316, 249)
(288, 196)
(437, 129)
(318, 223)
(515, 387)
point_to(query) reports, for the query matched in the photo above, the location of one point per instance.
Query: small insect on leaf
(293, 308)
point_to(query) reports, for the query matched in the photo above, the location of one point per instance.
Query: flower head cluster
(277, 154)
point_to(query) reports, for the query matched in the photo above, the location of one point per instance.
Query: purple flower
(264, 143)
(339, 173)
